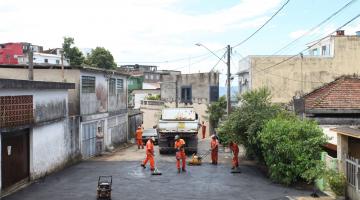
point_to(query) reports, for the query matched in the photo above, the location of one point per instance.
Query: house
(37, 136)
(288, 76)
(139, 96)
(334, 105)
(17, 53)
(348, 140)
(201, 88)
(98, 102)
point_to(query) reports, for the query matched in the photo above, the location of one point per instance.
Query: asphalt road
(130, 181)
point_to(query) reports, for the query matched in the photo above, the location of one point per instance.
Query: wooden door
(15, 157)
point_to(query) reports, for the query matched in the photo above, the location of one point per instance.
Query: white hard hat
(177, 137)
(153, 139)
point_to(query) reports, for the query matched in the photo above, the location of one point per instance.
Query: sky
(164, 32)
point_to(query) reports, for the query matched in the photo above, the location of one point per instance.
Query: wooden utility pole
(62, 65)
(31, 64)
(228, 94)
(176, 92)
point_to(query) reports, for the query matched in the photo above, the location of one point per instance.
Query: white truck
(178, 121)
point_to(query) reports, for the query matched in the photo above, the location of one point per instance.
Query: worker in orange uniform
(235, 152)
(139, 141)
(203, 129)
(149, 154)
(214, 149)
(180, 153)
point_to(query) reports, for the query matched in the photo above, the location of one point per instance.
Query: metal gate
(88, 147)
(352, 176)
(15, 157)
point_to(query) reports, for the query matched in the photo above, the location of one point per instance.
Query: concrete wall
(49, 148)
(53, 137)
(55, 75)
(200, 85)
(134, 120)
(310, 72)
(101, 101)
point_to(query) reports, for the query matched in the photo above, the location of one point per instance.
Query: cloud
(132, 30)
(298, 33)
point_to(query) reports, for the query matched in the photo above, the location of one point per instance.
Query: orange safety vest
(180, 143)
(149, 147)
(139, 134)
(214, 144)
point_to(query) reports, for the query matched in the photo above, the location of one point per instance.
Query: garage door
(15, 157)
(88, 147)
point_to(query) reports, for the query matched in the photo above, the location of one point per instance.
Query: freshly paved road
(130, 181)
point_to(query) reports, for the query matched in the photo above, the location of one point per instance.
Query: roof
(342, 93)
(352, 132)
(54, 66)
(27, 84)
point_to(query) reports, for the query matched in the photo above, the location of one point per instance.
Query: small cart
(104, 187)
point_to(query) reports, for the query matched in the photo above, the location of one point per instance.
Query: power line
(212, 69)
(262, 26)
(293, 56)
(168, 61)
(315, 27)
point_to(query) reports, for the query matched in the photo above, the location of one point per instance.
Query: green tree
(216, 110)
(244, 123)
(72, 53)
(292, 149)
(101, 58)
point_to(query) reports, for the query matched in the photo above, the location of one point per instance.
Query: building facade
(190, 88)
(16, 53)
(98, 102)
(327, 59)
(36, 134)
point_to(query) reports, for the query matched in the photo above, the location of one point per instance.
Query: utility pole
(228, 95)
(62, 65)
(31, 64)
(176, 91)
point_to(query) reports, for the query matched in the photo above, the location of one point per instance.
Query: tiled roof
(343, 93)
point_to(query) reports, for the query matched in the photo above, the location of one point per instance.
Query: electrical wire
(309, 47)
(262, 26)
(315, 27)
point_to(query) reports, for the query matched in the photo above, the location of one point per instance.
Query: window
(315, 52)
(152, 77)
(119, 85)
(158, 77)
(112, 87)
(88, 84)
(323, 50)
(57, 61)
(146, 76)
(46, 60)
(186, 94)
(214, 93)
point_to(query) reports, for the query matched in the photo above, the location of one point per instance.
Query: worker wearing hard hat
(139, 141)
(235, 152)
(149, 154)
(180, 153)
(214, 144)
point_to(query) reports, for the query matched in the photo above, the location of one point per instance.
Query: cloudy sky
(164, 32)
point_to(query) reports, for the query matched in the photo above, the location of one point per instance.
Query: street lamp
(228, 103)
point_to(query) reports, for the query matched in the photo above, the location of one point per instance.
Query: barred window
(120, 85)
(88, 84)
(112, 87)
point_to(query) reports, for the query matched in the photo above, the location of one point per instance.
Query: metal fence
(352, 172)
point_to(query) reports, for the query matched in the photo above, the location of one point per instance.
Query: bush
(337, 182)
(292, 149)
(244, 123)
(154, 97)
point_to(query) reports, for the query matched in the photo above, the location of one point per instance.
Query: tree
(244, 123)
(72, 53)
(292, 149)
(216, 111)
(101, 58)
